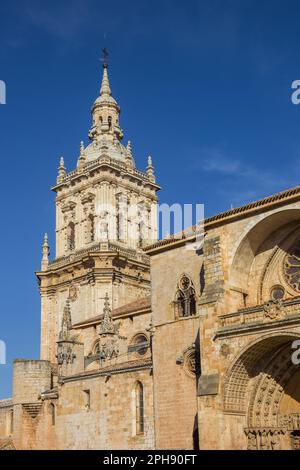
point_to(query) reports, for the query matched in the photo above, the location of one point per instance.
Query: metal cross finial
(105, 57)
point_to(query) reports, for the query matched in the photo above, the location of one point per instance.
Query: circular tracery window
(292, 268)
(184, 283)
(277, 293)
(141, 343)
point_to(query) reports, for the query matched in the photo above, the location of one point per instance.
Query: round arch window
(277, 293)
(141, 344)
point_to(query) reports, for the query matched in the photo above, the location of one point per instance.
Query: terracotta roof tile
(227, 216)
(132, 307)
(136, 364)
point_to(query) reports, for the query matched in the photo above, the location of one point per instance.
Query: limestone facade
(246, 277)
(170, 344)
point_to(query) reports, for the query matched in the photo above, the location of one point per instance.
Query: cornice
(99, 164)
(247, 210)
(112, 250)
(109, 370)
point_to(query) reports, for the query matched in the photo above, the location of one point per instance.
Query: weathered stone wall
(175, 403)
(85, 285)
(110, 421)
(247, 393)
(6, 418)
(252, 250)
(31, 378)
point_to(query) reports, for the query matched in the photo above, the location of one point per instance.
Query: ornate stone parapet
(272, 313)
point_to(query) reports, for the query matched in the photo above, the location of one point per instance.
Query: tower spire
(105, 86)
(105, 111)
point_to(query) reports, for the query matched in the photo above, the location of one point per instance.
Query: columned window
(185, 299)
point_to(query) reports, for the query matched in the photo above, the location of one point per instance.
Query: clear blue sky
(204, 86)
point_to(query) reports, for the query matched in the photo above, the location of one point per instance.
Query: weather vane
(105, 57)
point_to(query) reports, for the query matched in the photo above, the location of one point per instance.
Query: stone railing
(272, 311)
(88, 167)
(96, 247)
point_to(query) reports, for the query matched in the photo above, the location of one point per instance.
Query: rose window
(292, 268)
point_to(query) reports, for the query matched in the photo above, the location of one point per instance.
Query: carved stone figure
(103, 225)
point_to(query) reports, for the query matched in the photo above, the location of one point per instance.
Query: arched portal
(263, 384)
(252, 238)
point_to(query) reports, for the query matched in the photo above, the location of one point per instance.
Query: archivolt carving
(276, 264)
(266, 395)
(252, 239)
(246, 366)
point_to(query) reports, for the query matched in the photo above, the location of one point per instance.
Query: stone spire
(105, 112)
(105, 86)
(107, 325)
(61, 170)
(66, 323)
(45, 251)
(150, 169)
(81, 159)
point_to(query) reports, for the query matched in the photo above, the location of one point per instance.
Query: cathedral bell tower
(105, 215)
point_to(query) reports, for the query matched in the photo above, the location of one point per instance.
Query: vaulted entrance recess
(263, 384)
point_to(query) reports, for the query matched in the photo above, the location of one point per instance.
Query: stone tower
(105, 214)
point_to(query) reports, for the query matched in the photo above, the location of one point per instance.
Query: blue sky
(204, 87)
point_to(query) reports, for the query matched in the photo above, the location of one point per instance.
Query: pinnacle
(105, 86)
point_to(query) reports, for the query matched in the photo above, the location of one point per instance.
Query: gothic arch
(275, 263)
(185, 301)
(95, 347)
(243, 375)
(269, 388)
(252, 238)
(263, 385)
